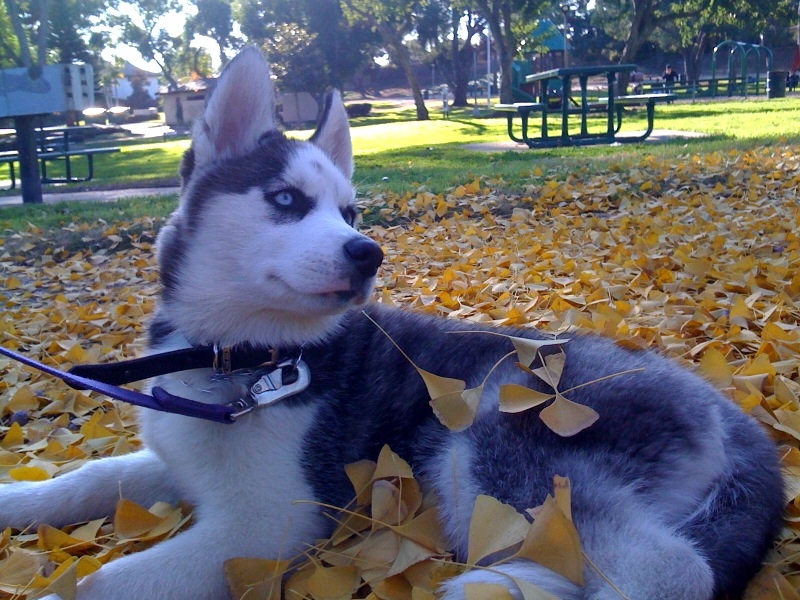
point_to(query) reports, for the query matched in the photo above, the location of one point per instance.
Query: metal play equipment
(744, 50)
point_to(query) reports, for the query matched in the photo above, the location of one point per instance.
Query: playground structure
(740, 84)
(738, 80)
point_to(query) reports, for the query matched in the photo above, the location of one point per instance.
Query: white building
(123, 89)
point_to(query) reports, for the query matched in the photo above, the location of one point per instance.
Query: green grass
(396, 153)
(63, 214)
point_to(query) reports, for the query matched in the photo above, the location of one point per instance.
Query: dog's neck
(166, 333)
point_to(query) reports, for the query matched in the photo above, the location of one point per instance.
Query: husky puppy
(676, 494)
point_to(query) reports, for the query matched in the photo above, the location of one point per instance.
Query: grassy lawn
(397, 154)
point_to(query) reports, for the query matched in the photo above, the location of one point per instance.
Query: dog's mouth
(345, 297)
(356, 292)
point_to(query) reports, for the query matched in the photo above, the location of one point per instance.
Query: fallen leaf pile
(698, 258)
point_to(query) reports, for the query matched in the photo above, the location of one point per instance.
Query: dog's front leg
(89, 492)
(188, 566)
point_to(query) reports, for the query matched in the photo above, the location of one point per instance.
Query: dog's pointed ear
(238, 112)
(333, 134)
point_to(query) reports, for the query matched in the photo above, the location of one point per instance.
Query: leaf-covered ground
(698, 258)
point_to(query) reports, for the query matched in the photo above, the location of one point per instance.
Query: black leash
(284, 379)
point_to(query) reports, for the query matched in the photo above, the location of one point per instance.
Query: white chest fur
(246, 475)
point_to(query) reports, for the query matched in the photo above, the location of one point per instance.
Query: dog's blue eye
(349, 215)
(283, 198)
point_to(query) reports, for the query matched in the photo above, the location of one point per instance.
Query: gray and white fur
(676, 494)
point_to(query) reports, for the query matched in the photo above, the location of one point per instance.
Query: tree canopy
(317, 44)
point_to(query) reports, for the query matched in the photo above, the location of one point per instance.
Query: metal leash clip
(271, 387)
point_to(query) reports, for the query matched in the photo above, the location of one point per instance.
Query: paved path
(94, 195)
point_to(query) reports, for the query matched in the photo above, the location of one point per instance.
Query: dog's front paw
(508, 576)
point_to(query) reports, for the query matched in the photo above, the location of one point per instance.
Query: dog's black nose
(365, 254)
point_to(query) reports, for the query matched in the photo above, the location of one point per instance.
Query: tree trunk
(462, 58)
(461, 66)
(404, 62)
(503, 41)
(28, 160)
(642, 25)
(693, 55)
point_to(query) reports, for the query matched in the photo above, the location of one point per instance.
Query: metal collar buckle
(223, 360)
(270, 388)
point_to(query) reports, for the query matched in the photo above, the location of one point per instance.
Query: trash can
(776, 84)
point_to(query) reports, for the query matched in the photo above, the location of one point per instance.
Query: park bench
(523, 111)
(649, 101)
(9, 158)
(611, 107)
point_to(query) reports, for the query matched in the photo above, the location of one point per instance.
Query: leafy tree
(392, 20)
(295, 59)
(688, 25)
(214, 19)
(29, 25)
(34, 33)
(439, 29)
(326, 47)
(501, 16)
(70, 21)
(193, 62)
(142, 28)
(588, 42)
(727, 19)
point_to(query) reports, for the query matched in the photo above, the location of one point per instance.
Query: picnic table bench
(9, 158)
(611, 105)
(53, 144)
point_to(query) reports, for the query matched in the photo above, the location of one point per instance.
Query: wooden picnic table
(611, 105)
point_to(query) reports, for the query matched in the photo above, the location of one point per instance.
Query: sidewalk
(94, 195)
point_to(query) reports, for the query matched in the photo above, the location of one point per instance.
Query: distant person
(792, 80)
(670, 77)
(635, 80)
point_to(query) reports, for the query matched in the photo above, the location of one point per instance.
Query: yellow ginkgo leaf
(333, 583)
(64, 580)
(391, 465)
(715, 367)
(494, 526)
(361, 475)
(24, 399)
(17, 570)
(486, 591)
(528, 350)
(568, 418)
(770, 584)
(453, 411)
(132, 521)
(387, 506)
(562, 493)
(50, 538)
(552, 541)
(13, 437)
(28, 473)
(255, 577)
(426, 530)
(409, 553)
(550, 373)
(440, 386)
(517, 398)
